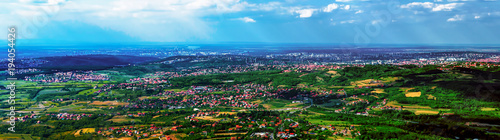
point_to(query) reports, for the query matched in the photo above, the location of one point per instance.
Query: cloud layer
(254, 21)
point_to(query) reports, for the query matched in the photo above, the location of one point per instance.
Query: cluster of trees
(258, 77)
(319, 77)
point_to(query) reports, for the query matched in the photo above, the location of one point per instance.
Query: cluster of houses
(424, 62)
(67, 116)
(201, 114)
(67, 76)
(59, 116)
(128, 131)
(356, 102)
(468, 65)
(198, 100)
(27, 117)
(148, 80)
(21, 71)
(488, 61)
(347, 132)
(391, 108)
(286, 130)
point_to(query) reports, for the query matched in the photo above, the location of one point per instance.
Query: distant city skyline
(350, 22)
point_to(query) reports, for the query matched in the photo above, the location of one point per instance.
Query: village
(163, 105)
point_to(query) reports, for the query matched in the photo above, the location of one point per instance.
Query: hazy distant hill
(92, 61)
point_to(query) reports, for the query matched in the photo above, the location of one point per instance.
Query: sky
(360, 22)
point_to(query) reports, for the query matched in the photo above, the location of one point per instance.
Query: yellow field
(373, 82)
(327, 122)
(230, 133)
(293, 105)
(314, 114)
(365, 83)
(175, 90)
(406, 89)
(144, 97)
(410, 94)
(257, 101)
(84, 130)
(340, 86)
(301, 85)
(92, 109)
(418, 112)
(390, 79)
(113, 103)
(487, 109)
(431, 97)
(208, 118)
(119, 119)
(378, 90)
(230, 113)
(332, 72)
(18, 137)
(417, 109)
(339, 138)
(151, 97)
(406, 106)
(413, 94)
(81, 102)
(267, 106)
(174, 136)
(122, 138)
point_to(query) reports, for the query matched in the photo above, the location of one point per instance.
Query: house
(297, 102)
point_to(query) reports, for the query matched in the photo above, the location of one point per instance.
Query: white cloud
(152, 20)
(359, 12)
(418, 4)
(305, 13)
(25, 1)
(330, 7)
(446, 7)
(347, 7)
(267, 6)
(456, 18)
(477, 17)
(246, 19)
(376, 21)
(418, 12)
(433, 6)
(347, 21)
(54, 2)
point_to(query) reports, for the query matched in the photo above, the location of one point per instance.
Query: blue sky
(60, 22)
